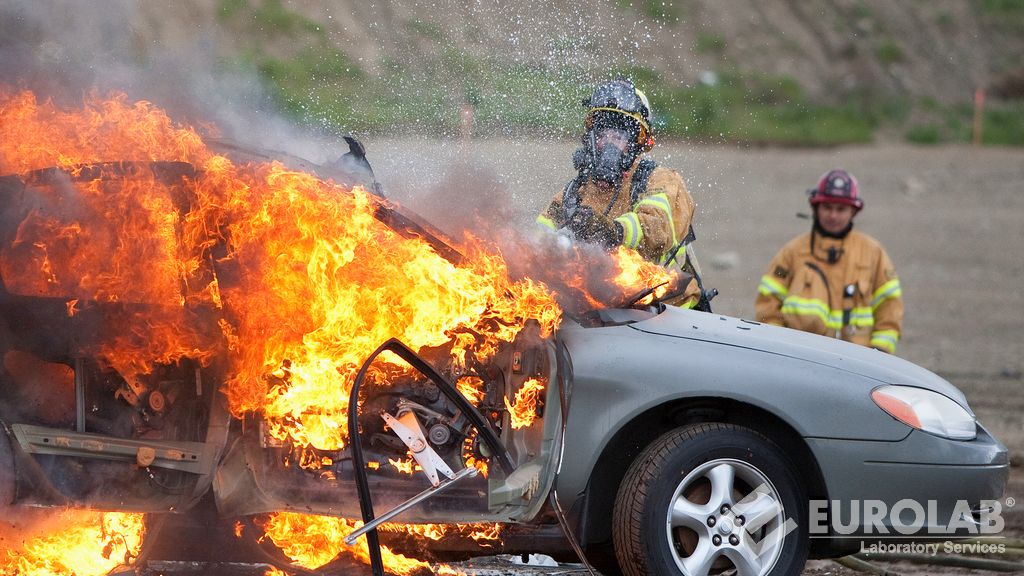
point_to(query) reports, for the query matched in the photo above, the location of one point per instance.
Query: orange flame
(482, 533)
(404, 466)
(85, 544)
(316, 281)
(312, 541)
(635, 272)
(523, 410)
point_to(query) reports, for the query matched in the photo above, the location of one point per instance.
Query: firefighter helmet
(837, 186)
(621, 98)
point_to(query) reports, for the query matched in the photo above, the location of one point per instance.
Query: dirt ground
(950, 218)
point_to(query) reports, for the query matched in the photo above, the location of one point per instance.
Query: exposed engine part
(387, 442)
(131, 391)
(157, 401)
(407, 427)
(440, 434)
(460, 405)
(405, 404)
(443, 424)
(426, 390)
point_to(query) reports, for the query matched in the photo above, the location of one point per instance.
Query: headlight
(926, 410)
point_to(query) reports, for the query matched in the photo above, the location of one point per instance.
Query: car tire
(709, 498)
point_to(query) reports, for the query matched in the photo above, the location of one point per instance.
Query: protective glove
(587, 226)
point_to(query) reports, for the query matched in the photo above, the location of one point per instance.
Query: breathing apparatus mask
(611, 145)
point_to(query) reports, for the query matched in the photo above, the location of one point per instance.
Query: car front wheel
(708, 499)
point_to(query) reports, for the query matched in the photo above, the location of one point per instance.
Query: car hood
(853, 358)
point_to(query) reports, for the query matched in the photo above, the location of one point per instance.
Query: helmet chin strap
(834, 254)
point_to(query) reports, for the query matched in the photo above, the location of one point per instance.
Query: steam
(472, 200)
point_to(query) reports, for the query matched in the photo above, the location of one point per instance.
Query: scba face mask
(612, 149)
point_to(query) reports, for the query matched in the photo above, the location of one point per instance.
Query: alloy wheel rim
(725, 514)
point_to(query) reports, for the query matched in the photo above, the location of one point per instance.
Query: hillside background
(797, 72)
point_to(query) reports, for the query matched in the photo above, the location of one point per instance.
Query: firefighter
(834, 280)
(621, 198)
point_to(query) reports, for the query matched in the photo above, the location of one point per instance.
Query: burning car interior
(60, 394)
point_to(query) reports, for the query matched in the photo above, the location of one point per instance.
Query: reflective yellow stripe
(546, 222)
(833, 319)
(660, 201)
(885, 340)
(861, 316)
(632, 233)
(890, 289)
(807, 307)
(772, 287)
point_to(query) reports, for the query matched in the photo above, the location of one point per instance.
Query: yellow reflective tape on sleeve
(660, 201)
(632, 233)
(890, 289)
(771, 287)
(546, 222)
(885, 340)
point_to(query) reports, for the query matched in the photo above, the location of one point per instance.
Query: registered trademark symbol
(1010, 502)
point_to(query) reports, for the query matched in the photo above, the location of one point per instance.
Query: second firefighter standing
(834, 280)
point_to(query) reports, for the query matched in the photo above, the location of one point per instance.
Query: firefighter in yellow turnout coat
(834, 280)
(618, 197)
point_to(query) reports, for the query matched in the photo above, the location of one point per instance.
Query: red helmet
(839, 187)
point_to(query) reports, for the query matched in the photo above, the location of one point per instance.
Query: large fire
(319, 282)
(314, 282)
(80, 543)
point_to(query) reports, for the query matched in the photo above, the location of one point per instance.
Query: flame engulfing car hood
(879, 367)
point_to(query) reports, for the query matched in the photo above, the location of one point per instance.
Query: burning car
(178, 324)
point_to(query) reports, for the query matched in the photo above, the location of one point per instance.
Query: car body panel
(621, 371)
(922, 468)
(810, 348)
(819, 386)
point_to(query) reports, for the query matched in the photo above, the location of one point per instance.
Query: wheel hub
(709, 516)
